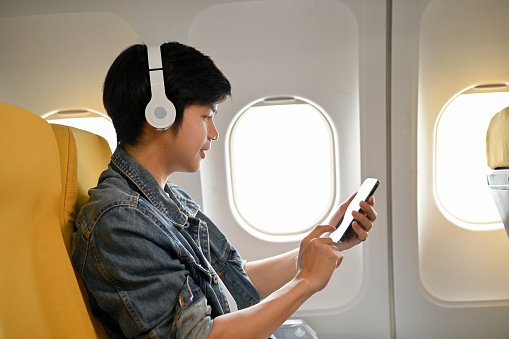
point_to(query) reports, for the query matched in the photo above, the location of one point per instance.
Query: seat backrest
(83, 156)
(39, 293)
(497, 157)
(497, 140)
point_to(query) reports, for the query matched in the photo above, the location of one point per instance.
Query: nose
(213, 134)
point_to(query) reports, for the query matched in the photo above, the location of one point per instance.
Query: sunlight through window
(460, 159)
(86, 120)
(282, 166)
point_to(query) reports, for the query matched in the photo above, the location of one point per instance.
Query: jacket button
(216, 279)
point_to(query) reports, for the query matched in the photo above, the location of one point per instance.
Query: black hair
(190, 77)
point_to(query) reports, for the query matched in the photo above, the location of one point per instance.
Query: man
(153, 263)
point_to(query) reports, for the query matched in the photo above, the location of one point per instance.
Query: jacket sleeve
(133, 269)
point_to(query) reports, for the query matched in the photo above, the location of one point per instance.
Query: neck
(149, 156)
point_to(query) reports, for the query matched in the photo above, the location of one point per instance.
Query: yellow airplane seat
(83, 156)
(497, 156)
(39, 293)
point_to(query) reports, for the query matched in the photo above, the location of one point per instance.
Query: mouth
(203, 153)
(204, 150)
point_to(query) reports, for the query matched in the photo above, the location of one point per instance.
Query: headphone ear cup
(160, 111)
(160, 114)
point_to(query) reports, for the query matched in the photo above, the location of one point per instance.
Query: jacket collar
(171, 201)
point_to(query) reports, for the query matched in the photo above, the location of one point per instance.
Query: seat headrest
(29, 162)
(497, 140)
(83, 156)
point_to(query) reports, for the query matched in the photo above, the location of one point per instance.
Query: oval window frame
(445, 209)
(72, 117)
(245, 222)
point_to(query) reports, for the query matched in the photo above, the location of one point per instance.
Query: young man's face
(193, 138)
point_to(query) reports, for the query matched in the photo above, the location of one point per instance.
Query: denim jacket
(150, 259)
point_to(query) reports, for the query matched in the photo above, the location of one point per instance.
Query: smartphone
(344, 226)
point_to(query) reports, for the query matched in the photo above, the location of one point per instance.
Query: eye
(213, 111)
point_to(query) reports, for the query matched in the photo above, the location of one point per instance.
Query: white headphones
(160, 111)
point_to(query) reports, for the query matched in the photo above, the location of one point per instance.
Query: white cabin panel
(449, 281)
(309, 51)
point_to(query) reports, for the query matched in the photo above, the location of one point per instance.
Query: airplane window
(282, 167)
(460, 157)
(87, 120)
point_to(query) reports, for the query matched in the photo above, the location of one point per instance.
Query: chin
(195, 168)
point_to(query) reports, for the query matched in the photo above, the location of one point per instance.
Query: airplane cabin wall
(449, 282)
(54, 55)
(331, 75)
(330, 58)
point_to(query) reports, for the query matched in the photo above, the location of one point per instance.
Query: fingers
(362, 234)
(362, 224)
(320, 230)
(338, 215)
(345, 204)
(334, 247)
(368, 208)
(364, 221)
(320, 235)
(318, 258)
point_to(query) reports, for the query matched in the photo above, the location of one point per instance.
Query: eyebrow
(213, 107)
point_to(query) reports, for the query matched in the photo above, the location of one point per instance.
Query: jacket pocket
(192, 317)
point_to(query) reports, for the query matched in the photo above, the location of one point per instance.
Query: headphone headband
(154, 58)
